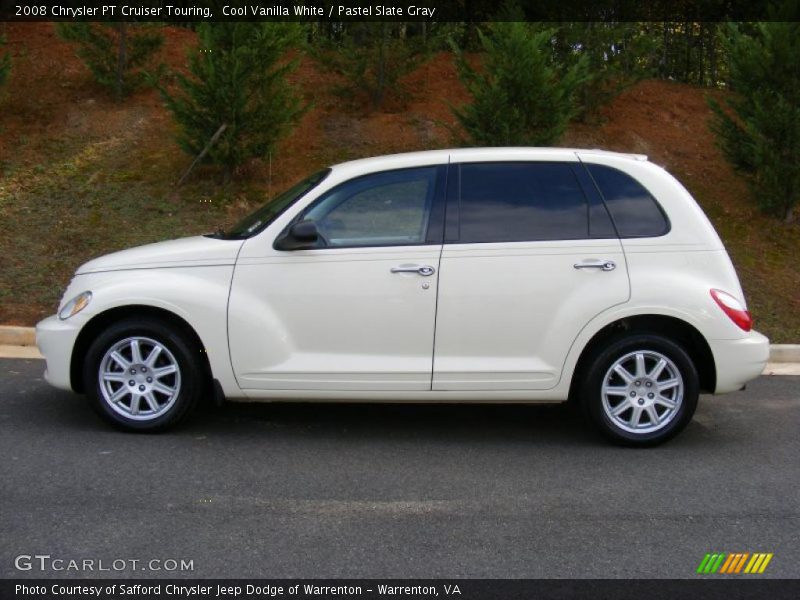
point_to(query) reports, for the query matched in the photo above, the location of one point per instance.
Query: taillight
(733, 308)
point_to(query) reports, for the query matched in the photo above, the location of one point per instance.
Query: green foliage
(115, 53)
(759, 126)
(5, 63)
(521, 95)
(238, 78)
(372, 57)
(615, 56)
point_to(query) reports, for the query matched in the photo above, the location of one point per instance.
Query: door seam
(439, 273)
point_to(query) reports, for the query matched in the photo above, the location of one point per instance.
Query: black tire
(177, 348)
(650, 347)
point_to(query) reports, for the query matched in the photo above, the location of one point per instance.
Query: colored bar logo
(733, 563)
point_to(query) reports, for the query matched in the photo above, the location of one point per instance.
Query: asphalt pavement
(358, 490)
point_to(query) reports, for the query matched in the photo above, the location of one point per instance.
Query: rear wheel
(143, 375)
(641, 390)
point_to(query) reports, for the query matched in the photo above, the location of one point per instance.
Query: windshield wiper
(219, 234)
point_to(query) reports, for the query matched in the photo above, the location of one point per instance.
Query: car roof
(459, 155)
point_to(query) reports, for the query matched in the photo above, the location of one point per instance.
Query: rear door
(530, 257)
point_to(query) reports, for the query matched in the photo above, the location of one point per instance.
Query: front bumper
(56, 339)
(739, 361)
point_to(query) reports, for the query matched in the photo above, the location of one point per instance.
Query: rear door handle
(596, 263)
(424, 270)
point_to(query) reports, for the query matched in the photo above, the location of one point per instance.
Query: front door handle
(424, 270)
(596, 263)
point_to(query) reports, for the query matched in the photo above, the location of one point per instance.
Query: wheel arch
(672, 328)
(104, 319)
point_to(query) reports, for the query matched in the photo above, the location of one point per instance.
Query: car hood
(199, 251)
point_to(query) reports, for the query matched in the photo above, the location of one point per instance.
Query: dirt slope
(83, 175)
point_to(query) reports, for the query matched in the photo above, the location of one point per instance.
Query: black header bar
(183, 11)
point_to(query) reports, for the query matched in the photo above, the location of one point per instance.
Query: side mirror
(303, 235)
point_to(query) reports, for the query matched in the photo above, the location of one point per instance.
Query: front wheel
(641, 390)
(142, 375)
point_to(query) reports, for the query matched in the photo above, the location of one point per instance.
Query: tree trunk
(381, 83)
(712, 55)
(701, 55)
(122, 59)
(626, 55)
(687, 40)
(199, 157)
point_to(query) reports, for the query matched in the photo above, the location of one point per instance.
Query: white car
(474, 275)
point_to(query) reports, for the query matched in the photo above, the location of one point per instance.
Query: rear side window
(634, 210)
(515, 202)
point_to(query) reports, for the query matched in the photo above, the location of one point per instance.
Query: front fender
(198, 295)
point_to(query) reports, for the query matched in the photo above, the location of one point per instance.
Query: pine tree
(521, 95)
(759, 126)
(238, 79)
(5, 63)
(115, 53)
(615, 54)
(372, 57)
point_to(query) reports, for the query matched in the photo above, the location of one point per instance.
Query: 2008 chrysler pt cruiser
(474, 275)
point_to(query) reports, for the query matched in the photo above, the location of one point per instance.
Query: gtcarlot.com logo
(734, 563)
(45, 562)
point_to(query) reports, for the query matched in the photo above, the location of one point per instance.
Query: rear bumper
(739, 361)
(55, 339)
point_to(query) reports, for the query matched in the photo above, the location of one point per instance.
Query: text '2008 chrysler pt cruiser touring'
(472, 275)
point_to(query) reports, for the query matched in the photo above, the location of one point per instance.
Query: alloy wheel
(139, 378)
(642, 391)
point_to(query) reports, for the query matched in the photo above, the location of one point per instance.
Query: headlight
(74, 306)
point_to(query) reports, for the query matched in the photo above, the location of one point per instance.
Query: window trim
(664, 214)
(434, 227)
(596, 202)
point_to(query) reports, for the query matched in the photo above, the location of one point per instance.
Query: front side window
(516, 202)
(391, 208)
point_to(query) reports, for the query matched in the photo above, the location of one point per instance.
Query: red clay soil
(335, 129)
(668, 122)
(51, 95)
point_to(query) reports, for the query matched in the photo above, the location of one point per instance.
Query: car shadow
(474, 423)
(542, 423)
(486, 423)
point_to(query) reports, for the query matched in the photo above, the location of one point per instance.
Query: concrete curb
(784, 353)
(26, 336)
(17, 336)
(24, 352)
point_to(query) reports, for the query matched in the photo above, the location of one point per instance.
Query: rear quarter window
(635, 211)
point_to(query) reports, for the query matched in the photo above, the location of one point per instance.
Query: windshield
(257, 220)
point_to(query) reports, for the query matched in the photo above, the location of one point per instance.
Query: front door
(358, 312)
